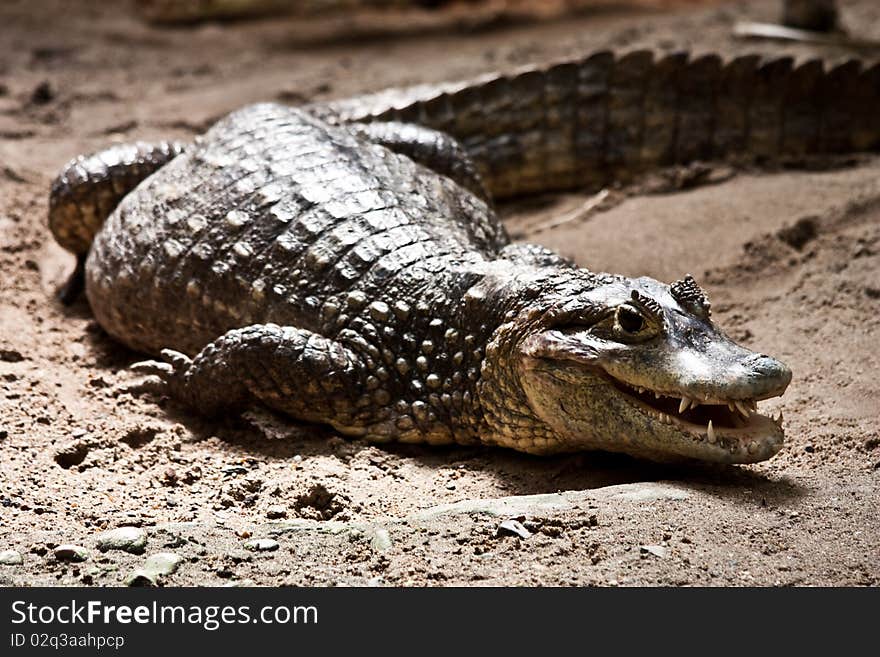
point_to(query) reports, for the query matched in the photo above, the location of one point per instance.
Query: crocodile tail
(608, 117)
(89, 187)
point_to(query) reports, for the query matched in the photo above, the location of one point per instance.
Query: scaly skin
(608, 117)
(90, 187)
(356, 275)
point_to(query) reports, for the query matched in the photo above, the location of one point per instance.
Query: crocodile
(342, 263)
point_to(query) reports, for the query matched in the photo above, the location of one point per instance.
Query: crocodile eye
(629, 320)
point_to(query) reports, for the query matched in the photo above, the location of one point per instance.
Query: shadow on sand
(261, 432)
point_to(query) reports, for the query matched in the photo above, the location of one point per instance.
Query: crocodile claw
(162, 377)
(179, 361)
(152, 368)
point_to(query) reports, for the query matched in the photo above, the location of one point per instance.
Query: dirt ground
(791, 261)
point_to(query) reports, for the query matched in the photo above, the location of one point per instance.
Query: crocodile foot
(164, 378)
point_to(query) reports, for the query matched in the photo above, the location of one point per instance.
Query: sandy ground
(791, 261)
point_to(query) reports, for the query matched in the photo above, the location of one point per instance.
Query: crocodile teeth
(731, 407)
(683, 406)
(710, 432)
(743, 409)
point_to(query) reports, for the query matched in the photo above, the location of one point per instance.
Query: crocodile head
(637, 366)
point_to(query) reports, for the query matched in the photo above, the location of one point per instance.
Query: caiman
(342, 263)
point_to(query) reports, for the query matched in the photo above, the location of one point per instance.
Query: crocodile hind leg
(89, 188)
(290, 370)
(433, 149)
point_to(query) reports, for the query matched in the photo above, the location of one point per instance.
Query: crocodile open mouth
(733, 424)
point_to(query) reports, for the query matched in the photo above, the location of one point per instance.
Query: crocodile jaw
(589, 409)
(753, 436)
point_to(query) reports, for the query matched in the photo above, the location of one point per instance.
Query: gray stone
(70, 552)
(10, 558)
(381, 540)
(162, 563)
(140, 577)
(127, 539)
(261, 545)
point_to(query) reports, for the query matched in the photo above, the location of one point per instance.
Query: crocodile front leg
(433, 149)
(295, 371)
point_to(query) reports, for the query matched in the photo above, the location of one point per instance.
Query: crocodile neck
(508, 295)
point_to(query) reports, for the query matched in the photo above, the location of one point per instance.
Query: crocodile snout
(768, 377)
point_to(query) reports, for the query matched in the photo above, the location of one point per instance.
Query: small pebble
(275, 512)
(43, 93)
(162, 563)
(10, 558)
(140, 577)
(72, 453)
(381, 540)
(71, 553)
(514, 527)
(261, 545)
(127, 539)
(656, 550)
(11, 356)
(239, 556)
